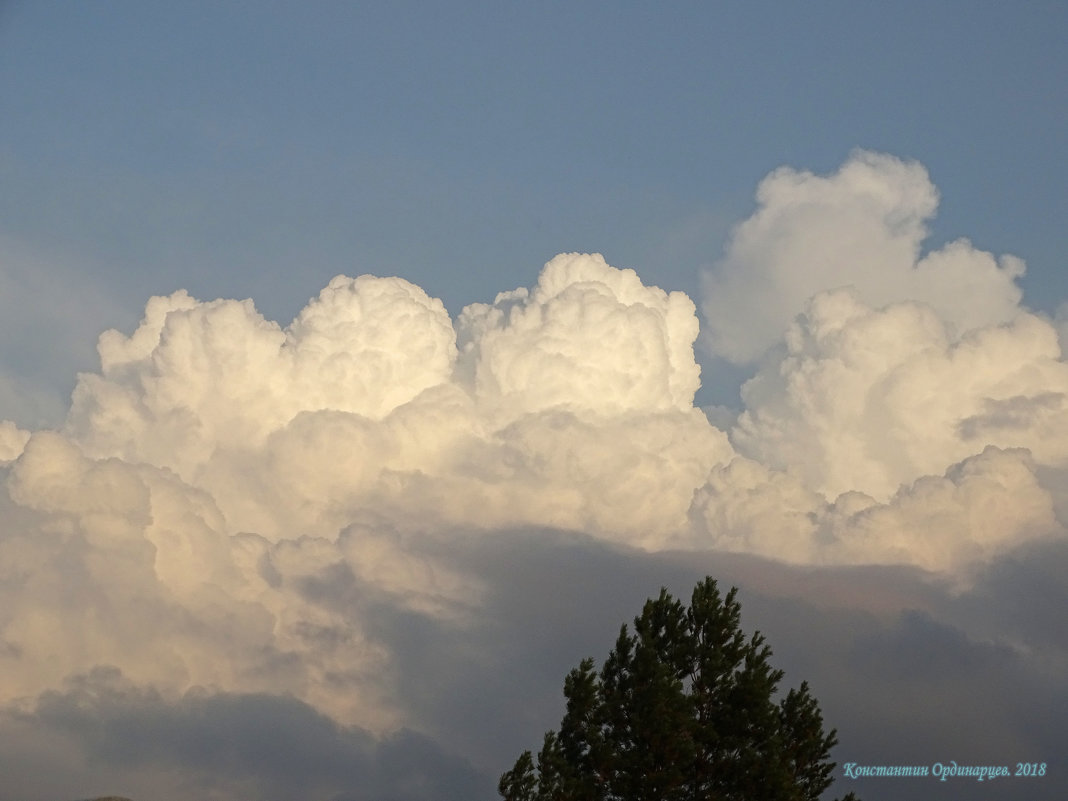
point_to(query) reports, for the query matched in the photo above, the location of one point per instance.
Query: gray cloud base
(909, 672)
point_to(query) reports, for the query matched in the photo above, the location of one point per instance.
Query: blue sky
(255, 150)
(891, 481)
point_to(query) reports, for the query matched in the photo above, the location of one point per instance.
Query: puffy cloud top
(588, 337)
(360, 408)
(862, 227)
(870, 399)
(195, 376)
(368, 345)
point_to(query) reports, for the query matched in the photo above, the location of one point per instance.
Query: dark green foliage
(682, 709)
(520, 783)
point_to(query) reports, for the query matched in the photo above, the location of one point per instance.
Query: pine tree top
(685, 706)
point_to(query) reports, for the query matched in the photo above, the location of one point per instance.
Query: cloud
(196, 377)
(980, 508)
(361, 404)
(226, 486)
(12, 441)
(896, 660)
(382, 533)
(587, 337)
(222, 745)
(869, 399)
(862, 227)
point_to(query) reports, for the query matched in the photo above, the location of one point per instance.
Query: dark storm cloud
(909, 669)
(274, 746)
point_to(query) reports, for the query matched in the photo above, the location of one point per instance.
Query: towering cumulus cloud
(862, 227)
(196, 377)
(903, 402)
(220, 468)
(588, 337)
(240, 507)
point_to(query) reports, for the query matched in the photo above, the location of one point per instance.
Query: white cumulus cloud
(979, 509)
(587, 337)
(870, 399)
(229, 498)
(862, 227)
(237, 505)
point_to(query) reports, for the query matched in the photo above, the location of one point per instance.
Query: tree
(683, 709)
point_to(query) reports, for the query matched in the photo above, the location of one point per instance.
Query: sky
(364, 366)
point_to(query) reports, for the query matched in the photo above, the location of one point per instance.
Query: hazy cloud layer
(226, 745)
(385, 535)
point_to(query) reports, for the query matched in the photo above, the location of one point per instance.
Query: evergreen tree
(683, 709)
